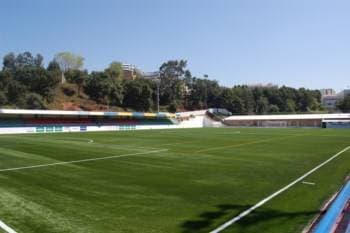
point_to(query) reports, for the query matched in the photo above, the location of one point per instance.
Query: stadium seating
(35, 122)
(11, 123)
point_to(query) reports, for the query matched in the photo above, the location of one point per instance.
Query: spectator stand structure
(341, 120)
(47, 121)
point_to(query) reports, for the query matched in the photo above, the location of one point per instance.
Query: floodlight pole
(155, 77)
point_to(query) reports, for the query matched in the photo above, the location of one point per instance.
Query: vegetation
(344, 105)
(24, 75)
(205, 177)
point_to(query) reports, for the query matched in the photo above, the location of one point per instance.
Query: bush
(172, 107)
(274, 108)
(68, 90)
(34, 101)
(3, 99)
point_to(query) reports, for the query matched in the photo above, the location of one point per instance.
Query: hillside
(66, 97)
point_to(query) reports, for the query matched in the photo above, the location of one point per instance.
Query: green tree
(15, 93)
(115, 71)
(77, 77)
(101, 88)
(290, 106)
(9, 62)
(34, 101)
(98, 87)
(37, 80)
(273, 108)
(138, 95)
(53, 66)
(3, 98)
(344, 105)
(262, 105)
(173, 83)
(68, 61)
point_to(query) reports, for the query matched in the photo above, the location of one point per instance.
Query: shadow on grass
(209, 220)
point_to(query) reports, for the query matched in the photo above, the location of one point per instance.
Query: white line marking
(6, 228)
(81, 160)
(309, 183)
(262, 202)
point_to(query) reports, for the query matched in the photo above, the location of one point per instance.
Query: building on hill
(329, 99)
(130, 71)
(330, 102)
(328, 92)
(344, 93)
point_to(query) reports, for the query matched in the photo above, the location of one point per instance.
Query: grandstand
(38, 121)
(292, 120)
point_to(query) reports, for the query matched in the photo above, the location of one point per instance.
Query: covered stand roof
(25, 112)
(291, 117)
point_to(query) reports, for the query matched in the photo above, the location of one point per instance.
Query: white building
(329, 99)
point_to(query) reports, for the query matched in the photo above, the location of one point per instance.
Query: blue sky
(291, 42)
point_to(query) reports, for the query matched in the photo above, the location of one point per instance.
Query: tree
(101, 88)
(34, 101)
(172, 107)
(306, 100)
(37, 80)
(98, 87)
(173, 69)
(15, 93)
(68, 61)
(9, 62)
(198, 97)
(344, 105)
(138, 95)
(38, 60)
(53, 66)
(173, 85)
(12, 62)
(78, 77)
(5, 78)
(3, 98)
(262, 105)
(273, 108)
(115, 71)
(290, 106)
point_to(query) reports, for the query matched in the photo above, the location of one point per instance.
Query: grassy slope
(76, 101)
(206, 177)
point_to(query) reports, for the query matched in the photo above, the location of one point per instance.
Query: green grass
(206, 177)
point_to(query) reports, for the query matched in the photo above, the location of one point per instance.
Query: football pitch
(183, 180)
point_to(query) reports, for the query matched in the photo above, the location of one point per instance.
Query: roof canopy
(290, 117)
(24, 112)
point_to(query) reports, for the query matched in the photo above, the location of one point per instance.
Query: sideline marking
(263, 201)
(6, 228)
(81, 160)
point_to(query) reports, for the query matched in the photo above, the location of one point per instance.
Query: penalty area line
(265, 200)
(82, 160)
(6, 228)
